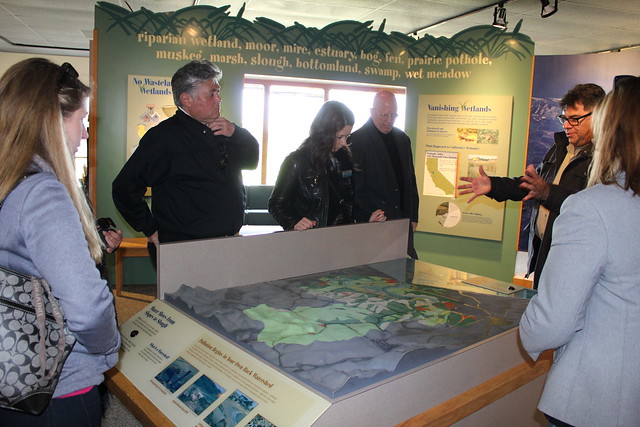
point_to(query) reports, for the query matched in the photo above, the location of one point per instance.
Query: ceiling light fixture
(421, 30)
(548, 9)
(500, 16)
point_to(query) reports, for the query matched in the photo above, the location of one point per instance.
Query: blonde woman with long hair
(47, 228)
(588, 303)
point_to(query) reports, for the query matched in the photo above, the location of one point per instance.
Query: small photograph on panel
(468, 136)
(260, 421)
(488, 136)
(231, 411)
(176, 374)
(448, 214)
(201, 394)
(488, 163)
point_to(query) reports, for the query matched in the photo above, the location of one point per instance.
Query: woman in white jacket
(588, 302)
(47, 228)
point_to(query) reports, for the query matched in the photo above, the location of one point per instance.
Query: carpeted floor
(134, 298)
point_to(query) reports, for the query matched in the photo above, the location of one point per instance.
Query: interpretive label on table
(456, 135)
(195, 377)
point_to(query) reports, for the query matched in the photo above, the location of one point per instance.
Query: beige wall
(81, 64)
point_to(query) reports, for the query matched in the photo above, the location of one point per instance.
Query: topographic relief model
(342, 330)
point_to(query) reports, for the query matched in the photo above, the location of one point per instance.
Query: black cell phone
(105, 224)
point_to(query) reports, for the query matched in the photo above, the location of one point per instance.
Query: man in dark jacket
(192, 162)
(384, 175)
(562, 172)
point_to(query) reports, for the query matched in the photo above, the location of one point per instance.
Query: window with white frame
(278, 111)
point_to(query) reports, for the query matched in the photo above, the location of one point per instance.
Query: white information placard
(196, 377)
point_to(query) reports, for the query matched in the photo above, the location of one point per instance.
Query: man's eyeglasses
(573, 121)
(388, 116)
(67, 73)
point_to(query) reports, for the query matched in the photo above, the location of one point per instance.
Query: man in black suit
(193, 162)
(384, 175)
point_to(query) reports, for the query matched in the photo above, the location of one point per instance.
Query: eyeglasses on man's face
(386, 116)
(573, 121)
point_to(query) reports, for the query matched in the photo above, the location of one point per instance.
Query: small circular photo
(448, 214)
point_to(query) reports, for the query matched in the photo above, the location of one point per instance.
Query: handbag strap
(38, 286)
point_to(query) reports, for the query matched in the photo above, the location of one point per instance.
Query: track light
(500, 16)
(548, 9)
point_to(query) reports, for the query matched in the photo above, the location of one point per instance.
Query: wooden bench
(520, 280)
(130, 247)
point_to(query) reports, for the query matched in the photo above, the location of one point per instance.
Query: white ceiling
(580, 26)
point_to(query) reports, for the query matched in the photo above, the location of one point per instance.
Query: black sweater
(194, 196)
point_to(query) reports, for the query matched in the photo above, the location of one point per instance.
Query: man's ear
(186, 99)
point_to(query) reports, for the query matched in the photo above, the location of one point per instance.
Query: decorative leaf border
(343, 35)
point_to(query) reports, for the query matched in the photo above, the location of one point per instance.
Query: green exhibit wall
(478, 61)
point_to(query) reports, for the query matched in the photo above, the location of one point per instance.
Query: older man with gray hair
(192, 162)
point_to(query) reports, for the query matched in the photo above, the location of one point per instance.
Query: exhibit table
(350, 337)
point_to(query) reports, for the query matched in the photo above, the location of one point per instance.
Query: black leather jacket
(301, 192)
(574, 179)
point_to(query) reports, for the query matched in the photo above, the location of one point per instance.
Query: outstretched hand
(537, 187)
(479, 186)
